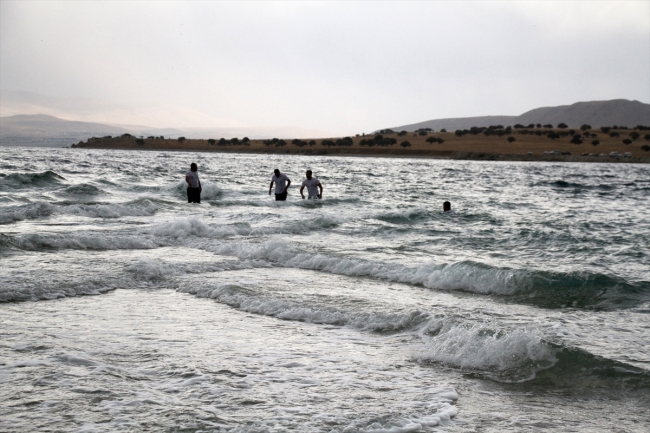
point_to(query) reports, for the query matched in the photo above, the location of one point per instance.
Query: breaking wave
(506, 355)
(25, 212)
(541, 288)
(30, 180)
(248, 300)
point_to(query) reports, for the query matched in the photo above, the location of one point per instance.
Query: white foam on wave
(442, 406)
(209, 190)
(410, 213)
(457, 276)
(108, 210)
(248, 300)
(112, 210)
(83, 241)
(39, 285)
(305, 225)
(185, 227)
(25, 212)
(148, 237)
(155, 270)
(508, 355)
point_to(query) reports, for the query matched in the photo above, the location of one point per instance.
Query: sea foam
(508, 355)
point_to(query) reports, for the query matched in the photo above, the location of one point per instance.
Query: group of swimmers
(282, 183)
(281, 180)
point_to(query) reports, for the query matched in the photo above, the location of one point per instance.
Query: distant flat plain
(527, 145)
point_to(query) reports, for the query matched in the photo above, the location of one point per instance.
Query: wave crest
(248, 300)
(30, 180)
(505, 355)
(541, 288)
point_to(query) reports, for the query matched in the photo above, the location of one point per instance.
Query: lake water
(368, 311)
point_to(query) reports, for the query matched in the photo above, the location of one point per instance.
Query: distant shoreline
(529, 144)
(460, 156)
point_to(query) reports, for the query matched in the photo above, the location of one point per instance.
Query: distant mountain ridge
(621, 112)
(46, 130)
(41, 123)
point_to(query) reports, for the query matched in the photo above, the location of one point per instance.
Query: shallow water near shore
(367, 311)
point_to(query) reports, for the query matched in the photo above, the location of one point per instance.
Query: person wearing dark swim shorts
(282, 183)
(193, 184)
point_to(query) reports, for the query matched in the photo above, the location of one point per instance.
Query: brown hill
(619, 112)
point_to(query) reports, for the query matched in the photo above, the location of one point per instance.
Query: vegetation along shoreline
(533, 142)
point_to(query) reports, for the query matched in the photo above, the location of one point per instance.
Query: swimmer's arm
(270, 187)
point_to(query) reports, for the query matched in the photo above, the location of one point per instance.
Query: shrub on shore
(511, 139)
(576, 139)
(297, 142)
(627, 141)
(273, 141)
(212, 141)
(405, 144)
(379, 140)
(181, 139)
(595, 143)
(645, 148)
(139, 141)
(342, 142)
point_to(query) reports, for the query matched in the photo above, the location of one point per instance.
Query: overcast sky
(339, 67)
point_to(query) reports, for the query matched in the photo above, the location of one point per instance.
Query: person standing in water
(446, 207)
(282, 183)
(193, 184)
(313, 185)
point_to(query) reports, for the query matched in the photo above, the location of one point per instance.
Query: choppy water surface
(368, 311)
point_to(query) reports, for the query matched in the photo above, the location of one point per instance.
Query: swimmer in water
(446, 207)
